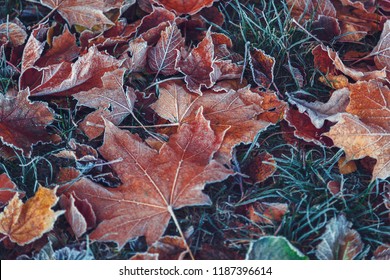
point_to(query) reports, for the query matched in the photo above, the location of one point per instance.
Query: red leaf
(23, 123)
(185, 7)
(162, 58)
(198, 65)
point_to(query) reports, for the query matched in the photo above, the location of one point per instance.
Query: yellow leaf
(24, 223)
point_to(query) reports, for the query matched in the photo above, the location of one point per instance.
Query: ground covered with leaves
(166, 129)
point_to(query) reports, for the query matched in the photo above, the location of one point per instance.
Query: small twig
(170, 210)
(305, 30)
(162, 81)
(13, 66)
(45, 18)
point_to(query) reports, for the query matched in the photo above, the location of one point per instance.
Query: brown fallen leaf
(23, 123)
(303, 128)
(13, 33)
(197, 66)
(181, 7)
(153, 24)
(110, 96)
(7, 189)
(346, 167)
(339, 241)
(329, 63)
(25, 223)
(158, 183)
(162, 58)
(166, 248)
(267, 213)
(382, 252)
(260, 167)
(136, 59)
(88, 14)
(334, 81)
(49, 73)
(237, 111)
(381, 51)
(79, 214)
(365, 131)
(320, 112)
(262, 67)
(355, 74)
(308, 8)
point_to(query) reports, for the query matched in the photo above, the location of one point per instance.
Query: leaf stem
(170, 210)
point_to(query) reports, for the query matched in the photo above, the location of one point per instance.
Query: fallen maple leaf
(84, 13)
(198, 65)
(23, 123)
(366, 130)
(66, 78)
(162, 58)
(185, 6)
(158, 182)
(24, 223)
(110, 95)
(236, 111)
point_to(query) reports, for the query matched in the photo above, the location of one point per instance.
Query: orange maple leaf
(24, 223)
(154, 182)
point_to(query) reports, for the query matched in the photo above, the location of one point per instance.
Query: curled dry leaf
(13, 33)
(381, 51)
(23, 123)
(52, 74)
(158, 183)
(303, 128)
(136, 61)
(365, 131)
(319, 112)
(25, 223)
(79, 214)
(339, 241)
(166, 248)
(328, 61)
(355, 74)
(262, 67)
(88, 14)
(197, 66)
(267, 213)
(154, 23)
(181, 7)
